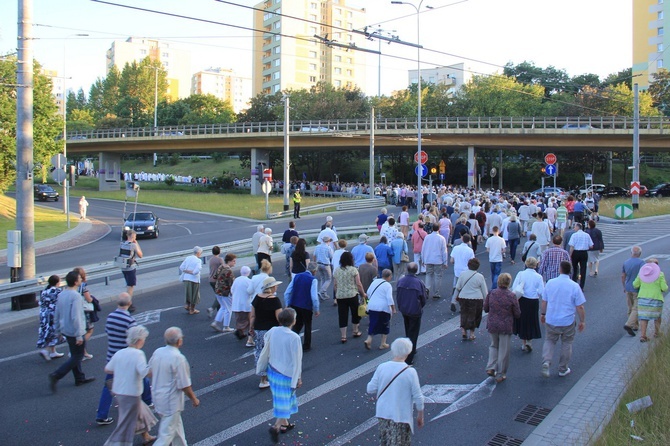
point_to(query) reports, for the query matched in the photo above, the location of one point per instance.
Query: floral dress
(46, 335)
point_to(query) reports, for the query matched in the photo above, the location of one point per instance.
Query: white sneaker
(56, 355)
(264, 385)
(545, 369)
(210, 312)
(227, 329)
(215, 326)
(87, 356)
(45, 355)
(566, 373)
(251, 344)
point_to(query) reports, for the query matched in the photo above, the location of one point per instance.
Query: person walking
(90, 312)
(460, 256)
(296, 203)
(303, 296)
(348, 287)
(214, 263)
(265, 247)
(83, 207)
(70, 322)
(368, 271)
(361, 249)
(129, 368)
(299, 258)
(190, 275)
(397, 390)
(323, 257)
(598, 247)
(265, 309)
(384, 255)
(513, 236)
(470, 292)
(503, 309)
(541, 231)
(411, 297)
(255, 239)
(629, 271)
(47, 338)
(418, 236)
(550, 263)
(242, 305)
(434, 256)
(651, 285)
(527, 327)
(580, 243)
(400, 252)
(380, 309)
(130, 251)
(381, 218)
(561, 299)
(224, 282)
(281, 360)
(170, 382)
(495, 246)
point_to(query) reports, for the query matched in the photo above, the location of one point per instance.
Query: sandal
(644, 339)
(358, 334)
(491, 372)
(274, 435)
(472, 337)
(367, 345)
(384, 346)
(343, 340)
(286, 427)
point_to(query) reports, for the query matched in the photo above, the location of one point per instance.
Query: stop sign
(550, 158)
(424, 157)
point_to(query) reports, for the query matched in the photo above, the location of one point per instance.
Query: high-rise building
(287, 55)
(57, 88)
(224, 84)
(455, 76)
(176, 62)
(649, 39)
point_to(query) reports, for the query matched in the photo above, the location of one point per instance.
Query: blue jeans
(495, 272)
(106, 397)
(513, 243)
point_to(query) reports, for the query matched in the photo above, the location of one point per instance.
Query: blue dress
(46, 335)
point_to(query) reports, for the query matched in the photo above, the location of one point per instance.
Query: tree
(624, 76)
(323, 101)
(551, 79)
(47, 124)
(499, 96)
(80, 120)
(137, 91)
(659, 89)
(263, 108)
(207, 109)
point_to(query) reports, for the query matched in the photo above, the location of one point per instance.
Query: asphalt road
(334, 408)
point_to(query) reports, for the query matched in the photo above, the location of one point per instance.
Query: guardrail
(334, 127)
(106, 270)
(348, 205)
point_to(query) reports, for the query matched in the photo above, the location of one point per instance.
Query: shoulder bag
(390, 382)
(363, 307)
(458, 290)
(525, 253)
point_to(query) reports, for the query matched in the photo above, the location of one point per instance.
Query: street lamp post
(418, 91)
(155, 132)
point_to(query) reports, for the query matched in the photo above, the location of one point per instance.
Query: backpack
(428, 227)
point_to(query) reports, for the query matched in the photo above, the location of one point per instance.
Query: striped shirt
(118, 323)
(562, 214)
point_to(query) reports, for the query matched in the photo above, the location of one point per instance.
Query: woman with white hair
(397, 389)
(399, 246)
(129, 367)
(531, 286)
(242, 305)
(190, 274)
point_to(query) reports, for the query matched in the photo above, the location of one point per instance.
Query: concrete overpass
(556, 134)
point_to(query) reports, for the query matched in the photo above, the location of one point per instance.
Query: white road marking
(355, 432)
(225, 382)
(479, 392)
(184, 227)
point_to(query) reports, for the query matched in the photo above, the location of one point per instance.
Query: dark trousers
(260, 256)
(412, 328)
(296, 210)
(579, 258)
(106, 397)
(303, 317)
(343, 307)
(74, 362)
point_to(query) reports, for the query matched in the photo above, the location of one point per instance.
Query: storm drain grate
(504, 440)
(532, 415)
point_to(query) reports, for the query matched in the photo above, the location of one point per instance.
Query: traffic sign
(550, 169)
(423, 172)
(550, 158)
(424, 157)
(443, 167)
(493, 172)
(635, 188)
(623, 211)
(266, 187)
(442, 176)
(58, 175)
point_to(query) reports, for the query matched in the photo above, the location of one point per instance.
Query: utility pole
(372, 152)
(25, 208)
(636, 143)
(287, 164)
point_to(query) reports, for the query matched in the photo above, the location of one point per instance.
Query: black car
(44, 192)
(613, 191)
(661, 190)
(143, 223)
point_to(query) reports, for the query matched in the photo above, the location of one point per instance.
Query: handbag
(524, 255)
(518, 290)
(454, 296)
(387, 385)
(404, 258)
(363, 309)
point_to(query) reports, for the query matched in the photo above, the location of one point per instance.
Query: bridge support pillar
(109, 171)
(261, 157)
(472, 167)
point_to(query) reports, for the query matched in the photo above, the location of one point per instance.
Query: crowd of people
(363, 281)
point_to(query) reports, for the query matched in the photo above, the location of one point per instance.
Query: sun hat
(363, 238)
(649, 272)
(269, 282)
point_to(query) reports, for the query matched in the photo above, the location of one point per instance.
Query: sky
(579, 36)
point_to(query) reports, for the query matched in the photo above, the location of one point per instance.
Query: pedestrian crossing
(623, 236)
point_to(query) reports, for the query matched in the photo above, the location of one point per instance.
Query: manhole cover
(504, 440)
(532, 415)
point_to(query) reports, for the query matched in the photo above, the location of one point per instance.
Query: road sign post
(424, 157)
(623, 211)
(550, 158)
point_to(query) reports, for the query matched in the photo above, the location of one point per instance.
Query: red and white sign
(635, 188)
(424, 157)
(267, 174)
(550, 158)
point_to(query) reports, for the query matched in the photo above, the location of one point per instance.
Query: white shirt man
(495, 246)
(434, 256)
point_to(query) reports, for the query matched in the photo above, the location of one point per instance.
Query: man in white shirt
(524, 216)
(190, 274)
(434, 256)
(494, 219)
(460, 256)
(580, 242)
(495, 246)
(254, 241)
(170, 381)
(561, 299)
(328, 231)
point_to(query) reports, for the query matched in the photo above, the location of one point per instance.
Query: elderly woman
(399, 246)
(242, 305)
(471, 291)
(348, 287)
(513, 236)
(89, 309)
(190, 275)
(47, 339)
(531, 248)
(129, 367)
(651, 283)
(380, 308)
(397, 389)
(281, 359)
(265, 309)
(384, 255)
(256, 285)
(527, 327)
(381, 219)
(503, 308)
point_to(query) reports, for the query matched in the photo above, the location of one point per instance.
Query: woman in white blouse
(397, 389)
(527, 327)
(380, 308)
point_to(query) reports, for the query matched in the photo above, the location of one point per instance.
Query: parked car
(44, 192)
(549, 191)
(143, 223)
(592, 188)
(660, 190)
(578, 127)
(613, 191)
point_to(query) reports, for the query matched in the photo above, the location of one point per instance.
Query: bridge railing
(335, 127)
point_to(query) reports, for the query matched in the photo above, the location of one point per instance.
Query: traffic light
(433, 169)
(544, 170)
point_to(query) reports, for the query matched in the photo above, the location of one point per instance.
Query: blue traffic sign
(442, 176)
(424, 170)
(550, 169)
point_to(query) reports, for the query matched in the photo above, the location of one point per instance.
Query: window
(338, 35)
(165, 54)
(312, 17)
(660, 31)
(659, 63)
(277, 25)
(312, 66)
(277, 38)
(312, 54)
(348, 59)
(338, 23)
(659, 47)
(275, 75)
(277, 62)
(312, 5)
(660, 15)
(312, 78)
(350, 14)
(338, 70)
(431, 79)
(277, 50)
(312, 30)
(277, 2)
(276, 88)
(350, 73)
(338, 83)
(338, 11)
(338, 58)
(143, 52)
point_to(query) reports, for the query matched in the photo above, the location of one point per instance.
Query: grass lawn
(648, 206)
(651, 423)
(48, 223)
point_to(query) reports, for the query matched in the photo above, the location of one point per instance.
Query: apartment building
(225, 84)
(649, 39)
(455, 76)
(57, 88)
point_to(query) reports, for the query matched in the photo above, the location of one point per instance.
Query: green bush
(195, 159)
(169, 180)
(174, 159)
(217, 157)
